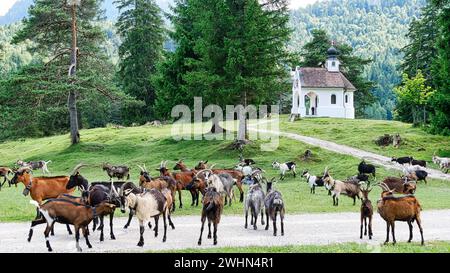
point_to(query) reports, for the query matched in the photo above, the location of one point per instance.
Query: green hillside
(151, 145)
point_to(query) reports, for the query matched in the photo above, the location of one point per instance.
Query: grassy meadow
(150, 145)
(362, 133)
(430, 247)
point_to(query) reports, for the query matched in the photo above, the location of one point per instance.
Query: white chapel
(322, 91)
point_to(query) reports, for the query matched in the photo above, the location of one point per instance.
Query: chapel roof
(318, 77)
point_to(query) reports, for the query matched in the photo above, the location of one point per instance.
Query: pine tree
(440, 119)
(52, 26)
(142, 29)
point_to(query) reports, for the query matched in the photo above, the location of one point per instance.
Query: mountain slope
(20, 8)
(375, 29)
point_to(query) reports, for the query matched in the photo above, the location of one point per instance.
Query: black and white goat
(313, 181)
(285, 167)
(35, 165)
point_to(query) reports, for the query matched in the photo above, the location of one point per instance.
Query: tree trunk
(72, 99)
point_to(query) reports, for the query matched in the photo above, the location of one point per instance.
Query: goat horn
(145, 168)
(77, 168)
(113, 189)
(165, 164)
(142, 169)
(212, 166)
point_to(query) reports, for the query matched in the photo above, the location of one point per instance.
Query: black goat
(116, 171)
(402, 160)
(212, 209)
(422, 163)
(364, 168)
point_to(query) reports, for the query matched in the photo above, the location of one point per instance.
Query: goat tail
(46, 162)
(210, 206)
(47, 216)
(35, 203)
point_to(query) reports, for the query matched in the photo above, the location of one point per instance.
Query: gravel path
(317, 229)
(343, 149)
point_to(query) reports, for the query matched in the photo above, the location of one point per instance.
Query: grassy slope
(361, 133)
(430, 247)
(149, 145)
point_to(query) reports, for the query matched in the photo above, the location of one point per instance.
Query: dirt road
(317, 229)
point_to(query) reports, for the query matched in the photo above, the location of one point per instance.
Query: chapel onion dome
(332, 52)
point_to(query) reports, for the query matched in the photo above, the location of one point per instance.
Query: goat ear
(206, 161)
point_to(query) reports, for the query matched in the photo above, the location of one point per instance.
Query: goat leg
(393, 232)
(179, 197)
(370, 228)
(46, 232)
(130, 216)
(165, 227)
(365, 226)
(267, 220)
(77, 238)
(68, 229)
(156, 225)
(246, 216)
(141, 231)
(419, 223)
(282, 222)
(262, 217)
(209, 229)
(361, 228)
(215, 233)
(170, 221)
(34, 223)
(101, 229)
(255, 216)
(201, 230)
(111, 232)
(410, 231)
(85, 234)
(387, 233)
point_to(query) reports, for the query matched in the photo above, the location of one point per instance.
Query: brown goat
(403, 208)
(68, 212)
(338, 187)
(182, 179)
(400, 185)
(366, 212)
(212, 209)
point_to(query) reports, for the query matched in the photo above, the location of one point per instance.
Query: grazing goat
(68, 212)
(418, 175)
(443, 162)
(212, 209)
(285, 167)
(313, 181)
(405, 208)
(422, 163)
(35, 165)
(116, 171)
(399, 185)
(402, 160)
(364, 168)
(255, 203)
(366, 212)
(337, 187)
(4, 172)
(274, 204)
(147, 205)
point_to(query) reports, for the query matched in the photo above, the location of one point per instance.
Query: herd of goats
(155, 196)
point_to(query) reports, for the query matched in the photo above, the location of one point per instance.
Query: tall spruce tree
(314, 54)
(52, 26)
(232, 51)
(440, 119)
(142, 28)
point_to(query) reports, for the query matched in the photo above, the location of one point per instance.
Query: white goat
(285, 167)
(147, 205)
